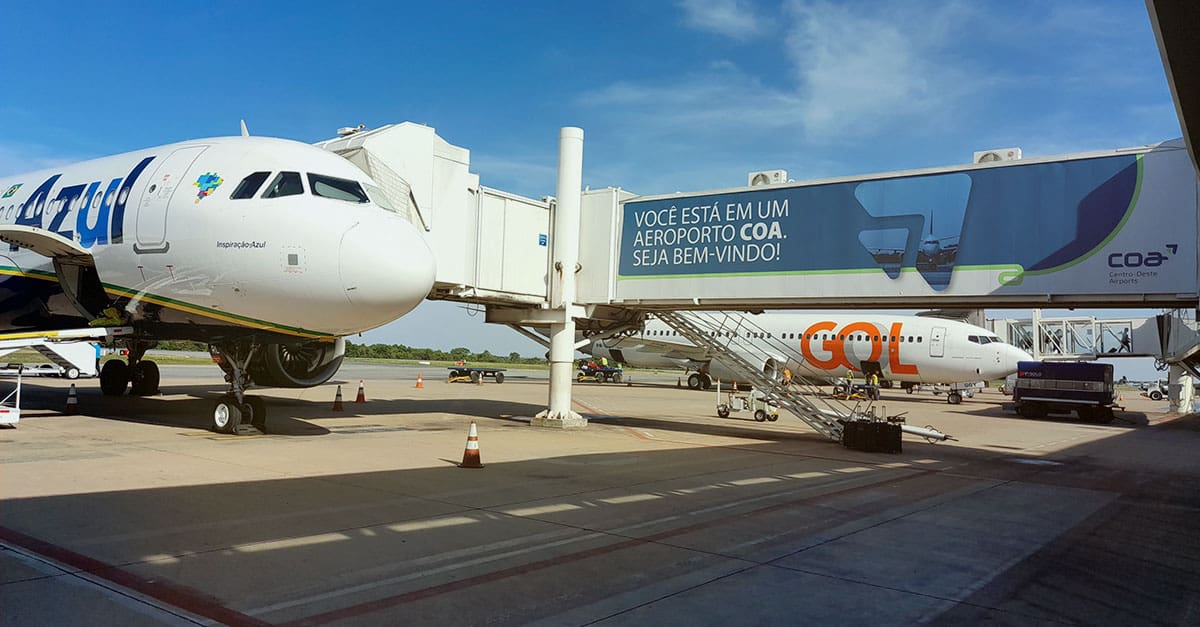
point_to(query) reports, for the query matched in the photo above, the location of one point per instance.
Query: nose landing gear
(235, 413)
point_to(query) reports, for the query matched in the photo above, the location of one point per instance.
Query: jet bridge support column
(1179, 390)
(565, 255)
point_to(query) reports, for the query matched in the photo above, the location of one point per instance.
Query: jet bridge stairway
(724, 336)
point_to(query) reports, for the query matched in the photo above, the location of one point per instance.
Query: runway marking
(632, 498)
(182, 597)
(545, 509)
(641, 435)
(291, 543)
(436, 523)
(754, 481)
(532, 567)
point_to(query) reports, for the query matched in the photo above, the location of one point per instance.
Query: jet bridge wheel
(227, 415)
(114, 376)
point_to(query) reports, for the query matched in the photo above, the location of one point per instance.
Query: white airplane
(904, 350)
(268, 250)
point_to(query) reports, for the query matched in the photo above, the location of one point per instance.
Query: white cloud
(731, 18)
(860, 71)
(21, 158)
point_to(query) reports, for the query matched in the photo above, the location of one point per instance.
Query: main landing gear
(236, 413)
(699, 381)
(141, 373)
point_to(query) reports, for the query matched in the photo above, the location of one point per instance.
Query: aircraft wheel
(954, 398)
(617, 377)
(579, 378)
(760, 415)
(254, 410)
(694, 381)
(499, 377)
(114, 376)
(908, 389)
(227, 415)
(145, 379)
(723, 410)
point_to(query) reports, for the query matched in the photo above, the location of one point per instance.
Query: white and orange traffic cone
(72, 401)
(471, 454)
(362, 393)
(337, 400)
(420, 381)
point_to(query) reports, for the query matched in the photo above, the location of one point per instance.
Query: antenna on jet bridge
(245, 132)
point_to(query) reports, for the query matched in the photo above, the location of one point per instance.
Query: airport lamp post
(565, 253)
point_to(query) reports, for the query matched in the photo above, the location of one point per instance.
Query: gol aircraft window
(335, 188)
(249, 185)
(285, 184)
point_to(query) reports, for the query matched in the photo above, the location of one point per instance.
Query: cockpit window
(378, 197)
(249, 185)
(337, 189)
(974, 339)
(285, 184)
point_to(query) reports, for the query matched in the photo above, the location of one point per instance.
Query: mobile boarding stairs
(734, 340)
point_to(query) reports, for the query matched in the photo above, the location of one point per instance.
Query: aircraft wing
(43, 242)
(670, 350)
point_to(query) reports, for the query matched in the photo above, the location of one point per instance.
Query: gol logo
(837, 347)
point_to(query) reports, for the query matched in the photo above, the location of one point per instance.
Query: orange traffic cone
(420, 382)
(337, 400)
(72, 401)
(362, 393)
(471, 454)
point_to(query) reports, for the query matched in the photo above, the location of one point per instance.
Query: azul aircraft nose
(386, 268)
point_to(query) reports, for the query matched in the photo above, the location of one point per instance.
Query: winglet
(245, 133)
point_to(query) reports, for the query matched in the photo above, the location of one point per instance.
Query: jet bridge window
(249, 185)
(285, 184)
(337, 189)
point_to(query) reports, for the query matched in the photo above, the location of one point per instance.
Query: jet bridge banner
(1120, 224)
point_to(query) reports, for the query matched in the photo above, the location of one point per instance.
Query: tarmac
(132, 512)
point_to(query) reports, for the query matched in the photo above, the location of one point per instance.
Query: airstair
(734, 340)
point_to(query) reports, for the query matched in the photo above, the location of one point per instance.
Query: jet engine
(295, 365)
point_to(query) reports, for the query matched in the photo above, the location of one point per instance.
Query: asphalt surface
(133, 512)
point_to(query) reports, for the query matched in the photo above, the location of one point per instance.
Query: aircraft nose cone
(386, 268)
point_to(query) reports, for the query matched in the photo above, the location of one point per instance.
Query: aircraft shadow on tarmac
(285, 416)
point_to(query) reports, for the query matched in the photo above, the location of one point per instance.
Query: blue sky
(686, 95)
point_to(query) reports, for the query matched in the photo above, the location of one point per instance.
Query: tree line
(392, 351)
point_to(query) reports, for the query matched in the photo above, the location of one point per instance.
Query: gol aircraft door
(156, 199)
(937, 342)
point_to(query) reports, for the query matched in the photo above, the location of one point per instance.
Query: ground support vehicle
(599, 375)
(474, 375)
(1047, 387)
(755, 401)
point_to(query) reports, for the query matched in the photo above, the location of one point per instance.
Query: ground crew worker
(875, 386)
(787, 376)
(603, 362)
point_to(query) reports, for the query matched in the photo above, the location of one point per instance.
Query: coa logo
(1135, 259)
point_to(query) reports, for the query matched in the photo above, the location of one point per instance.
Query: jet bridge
(1102, 229)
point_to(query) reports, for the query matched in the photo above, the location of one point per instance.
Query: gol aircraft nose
(387, 269)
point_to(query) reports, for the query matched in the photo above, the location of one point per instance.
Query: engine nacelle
(296, 365)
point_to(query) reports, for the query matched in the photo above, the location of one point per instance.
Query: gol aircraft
(268, 250)
(904, 350)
